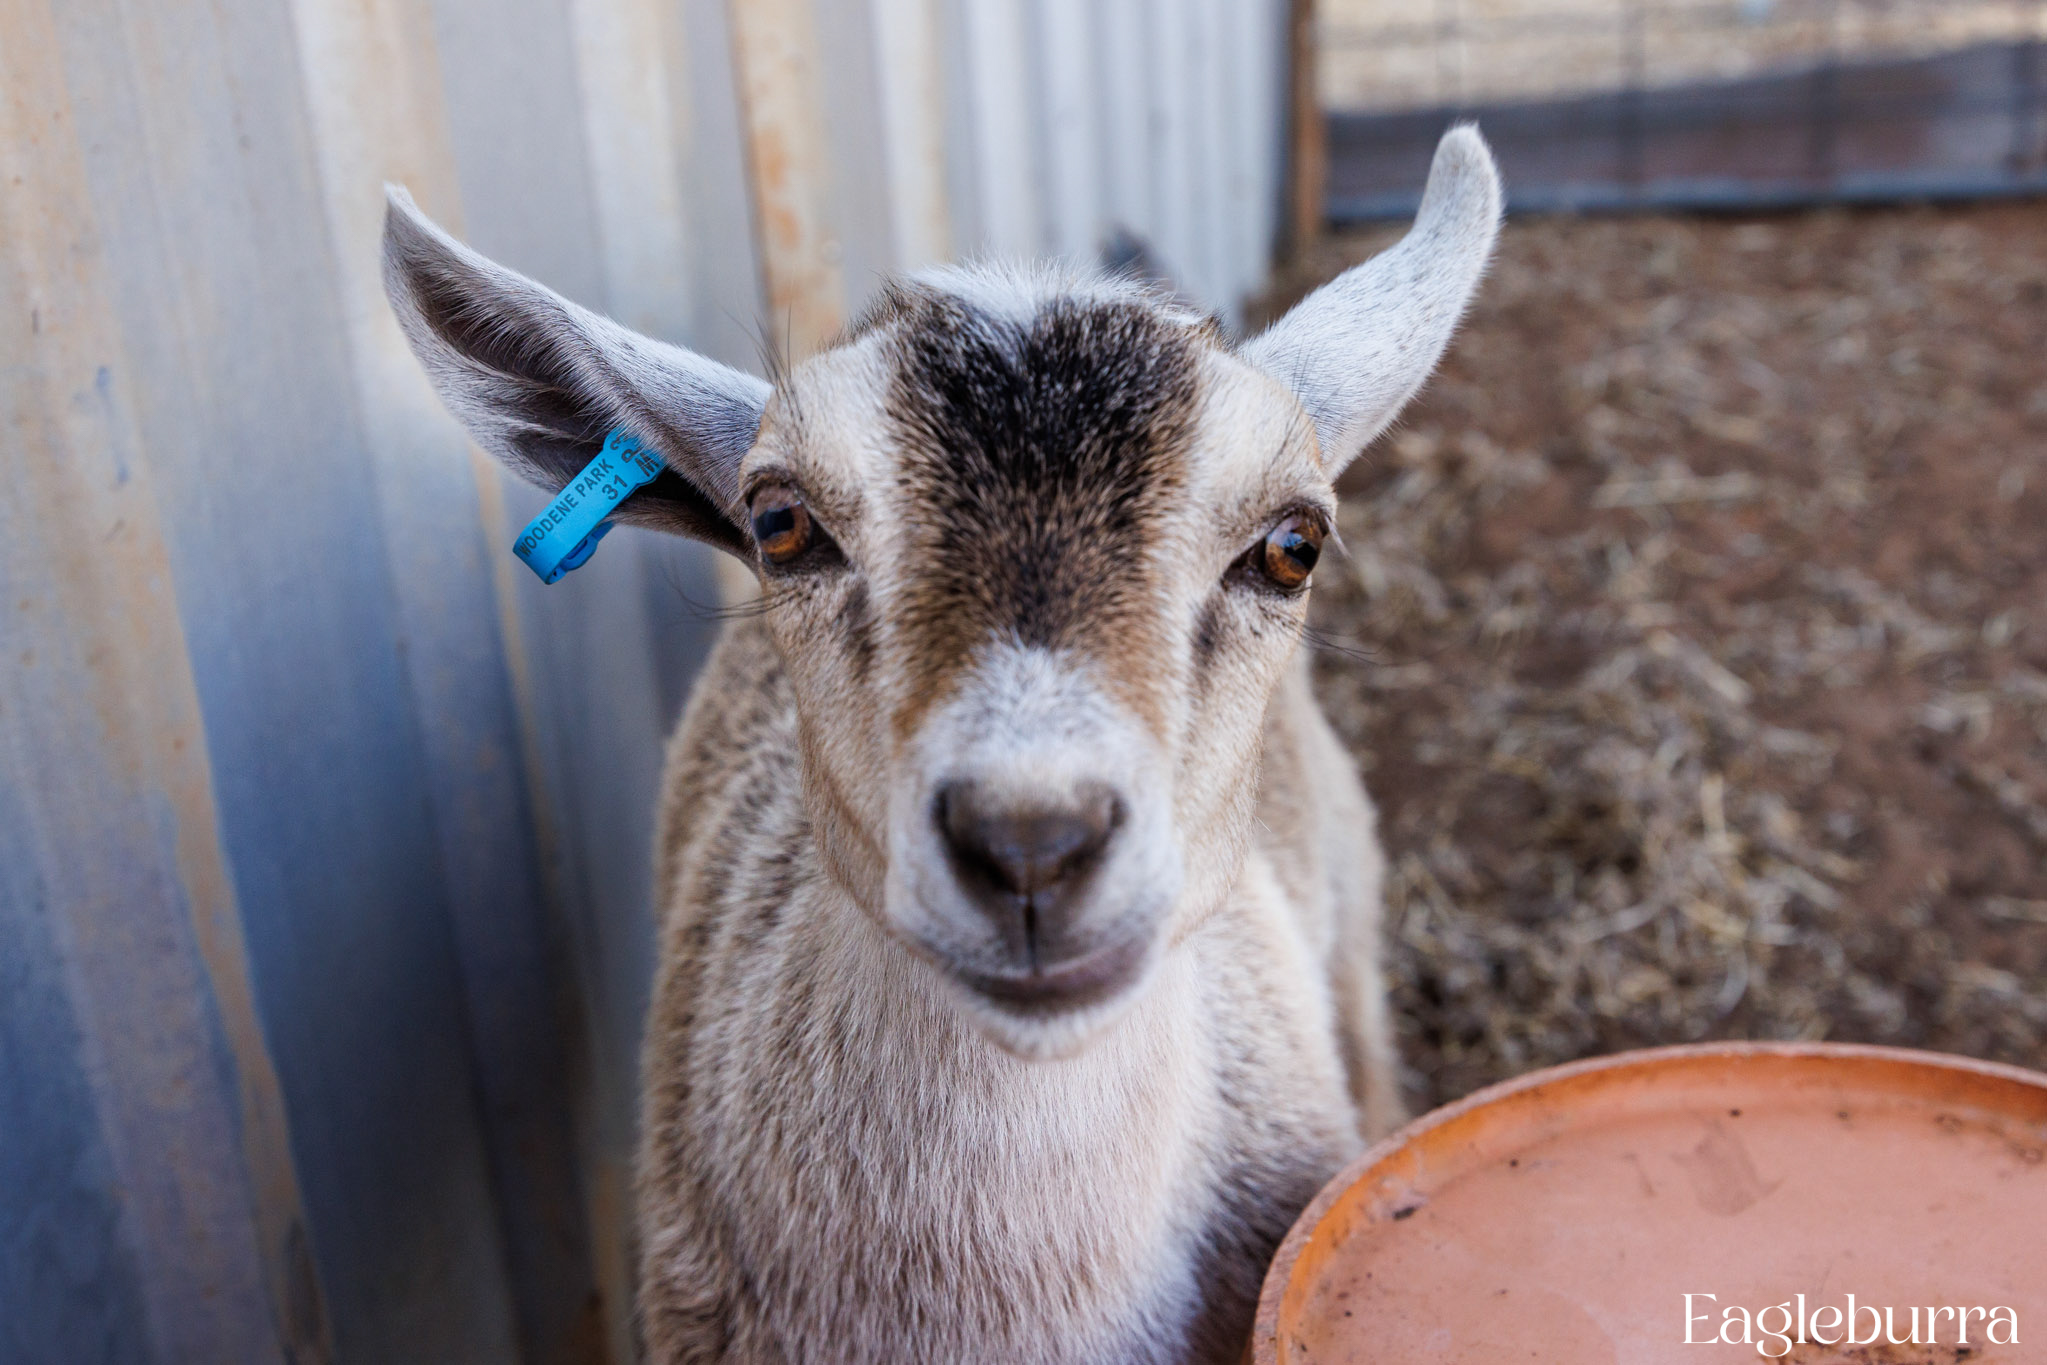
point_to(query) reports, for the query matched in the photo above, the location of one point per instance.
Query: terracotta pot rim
(1265, 1331)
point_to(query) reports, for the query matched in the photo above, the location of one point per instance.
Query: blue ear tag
(566, 534)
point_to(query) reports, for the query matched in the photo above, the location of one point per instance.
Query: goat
(1019, 975)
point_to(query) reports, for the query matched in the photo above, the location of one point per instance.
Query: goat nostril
(1029, 850)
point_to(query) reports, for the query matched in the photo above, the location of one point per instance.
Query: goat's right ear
(539, 382)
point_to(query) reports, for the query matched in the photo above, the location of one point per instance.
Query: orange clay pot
(1563, 1217)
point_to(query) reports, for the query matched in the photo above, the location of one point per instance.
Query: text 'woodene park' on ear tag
(566, 534)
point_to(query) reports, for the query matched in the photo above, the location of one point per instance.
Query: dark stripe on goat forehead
(1039, 455)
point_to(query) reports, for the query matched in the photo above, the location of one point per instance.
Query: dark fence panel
(1964, 124)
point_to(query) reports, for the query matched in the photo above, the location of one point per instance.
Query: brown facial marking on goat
(1044, 456)
(856, 633)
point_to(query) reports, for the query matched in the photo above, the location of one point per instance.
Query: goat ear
(1357, 349)
(539, 381)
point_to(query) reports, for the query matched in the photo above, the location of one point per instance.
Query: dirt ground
(1693, 641)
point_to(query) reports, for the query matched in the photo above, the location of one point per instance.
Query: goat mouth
(1056, 986)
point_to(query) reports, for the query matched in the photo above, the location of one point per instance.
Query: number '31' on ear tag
(565, 535)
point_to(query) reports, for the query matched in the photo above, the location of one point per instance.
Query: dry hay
(1693, 639)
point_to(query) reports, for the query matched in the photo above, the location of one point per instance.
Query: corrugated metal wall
(324, 910)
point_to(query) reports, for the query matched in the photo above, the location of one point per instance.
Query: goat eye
(1290, 551)
(781, 524)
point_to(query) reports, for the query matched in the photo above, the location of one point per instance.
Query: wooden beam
(1308, 135)
(774, 49)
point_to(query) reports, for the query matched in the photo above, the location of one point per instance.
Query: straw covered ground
(1693, 640)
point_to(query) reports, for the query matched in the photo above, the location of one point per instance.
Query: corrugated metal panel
(1159, 116)
(324, 882)
(148, 1208)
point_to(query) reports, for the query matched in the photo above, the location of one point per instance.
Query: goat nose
(1023, 863)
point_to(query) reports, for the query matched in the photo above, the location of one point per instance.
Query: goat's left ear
(539, 382)
(1357, 349)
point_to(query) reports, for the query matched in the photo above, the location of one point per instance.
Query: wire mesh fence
(1625, 103)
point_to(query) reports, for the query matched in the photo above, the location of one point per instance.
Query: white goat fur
(851, 1153)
